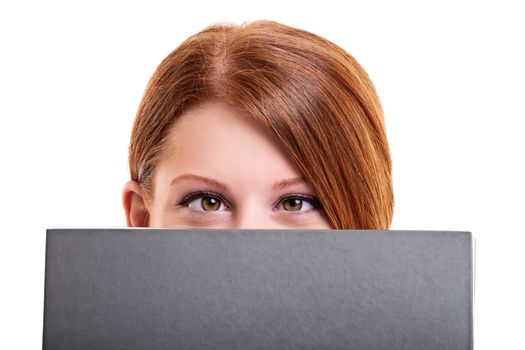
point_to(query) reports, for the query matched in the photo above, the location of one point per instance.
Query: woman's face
(222, 169)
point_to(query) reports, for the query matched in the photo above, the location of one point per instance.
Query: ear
(137, 214)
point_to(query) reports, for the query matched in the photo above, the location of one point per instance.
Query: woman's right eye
(204, 202)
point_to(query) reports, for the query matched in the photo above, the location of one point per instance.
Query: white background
(450, 76)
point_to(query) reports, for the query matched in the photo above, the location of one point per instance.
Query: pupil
(210, 203)
(293, 204)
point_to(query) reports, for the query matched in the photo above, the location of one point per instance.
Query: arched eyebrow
(287, 183)
(280, 185)
(207, 180)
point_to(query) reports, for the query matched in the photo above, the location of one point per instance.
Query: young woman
(259, 126)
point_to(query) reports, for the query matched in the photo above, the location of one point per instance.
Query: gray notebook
(257, 289)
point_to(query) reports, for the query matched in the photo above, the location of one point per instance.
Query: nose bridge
(253, 215)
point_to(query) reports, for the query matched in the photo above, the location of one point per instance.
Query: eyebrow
(287, 183)
(206, 180)
(280, 185)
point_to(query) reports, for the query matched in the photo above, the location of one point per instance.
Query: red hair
(314, 96)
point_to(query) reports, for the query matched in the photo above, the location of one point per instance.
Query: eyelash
(314, 202)
(200, 194)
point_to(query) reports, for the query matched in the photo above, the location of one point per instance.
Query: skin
(222, 169)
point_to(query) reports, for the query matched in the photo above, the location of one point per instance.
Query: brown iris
(210, 203)
(293, 204)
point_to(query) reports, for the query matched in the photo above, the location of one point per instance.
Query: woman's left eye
(297, 204)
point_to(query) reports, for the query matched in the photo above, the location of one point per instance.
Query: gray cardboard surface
(257, 289)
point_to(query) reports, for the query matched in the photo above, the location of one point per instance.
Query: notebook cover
(257, 289)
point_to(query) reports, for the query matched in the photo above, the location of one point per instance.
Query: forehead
(216, 139)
